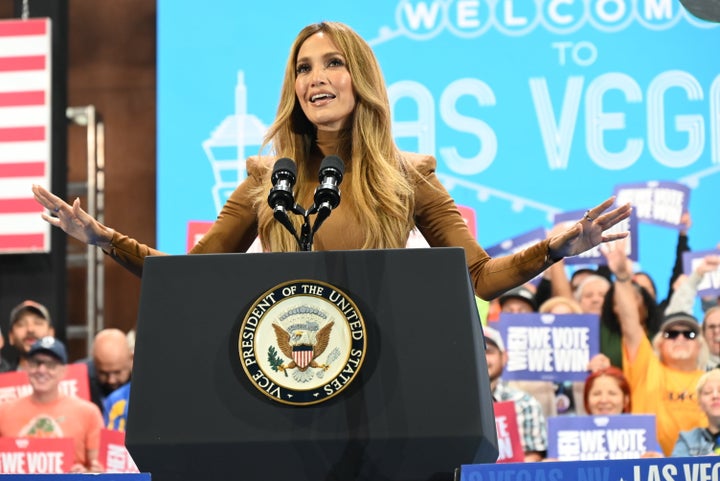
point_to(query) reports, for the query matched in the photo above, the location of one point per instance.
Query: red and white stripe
(25, 115)
(302, 357)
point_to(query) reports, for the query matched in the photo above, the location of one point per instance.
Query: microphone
(281, 197)
(327, 194)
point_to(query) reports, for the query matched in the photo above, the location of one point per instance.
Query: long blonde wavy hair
(381, 190)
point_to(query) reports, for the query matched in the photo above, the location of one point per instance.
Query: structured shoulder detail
(258, 166)
(423, 163)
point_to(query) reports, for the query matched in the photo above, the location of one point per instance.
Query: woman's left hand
(588, 232)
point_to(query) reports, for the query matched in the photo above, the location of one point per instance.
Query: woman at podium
(333, 101)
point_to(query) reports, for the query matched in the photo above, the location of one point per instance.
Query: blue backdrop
(532, 107)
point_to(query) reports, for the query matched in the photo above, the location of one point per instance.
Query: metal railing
(93, 189)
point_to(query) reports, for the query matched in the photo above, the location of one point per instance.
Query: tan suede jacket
(436, 217)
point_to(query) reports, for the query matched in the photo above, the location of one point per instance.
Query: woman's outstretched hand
(588, 231)
(72, 219)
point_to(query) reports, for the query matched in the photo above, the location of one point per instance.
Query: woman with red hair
(607, 392)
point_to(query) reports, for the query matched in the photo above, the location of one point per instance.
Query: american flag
(25, 108)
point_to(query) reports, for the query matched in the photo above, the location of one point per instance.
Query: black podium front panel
(419, 407)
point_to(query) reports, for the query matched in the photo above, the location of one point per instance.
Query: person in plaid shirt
(530, 418)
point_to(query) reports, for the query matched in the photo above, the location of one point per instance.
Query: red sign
(469, 216)
(25, 89)
(15, 384)
(196, 229)
(114, 456)
(509, 446)
(36, 455)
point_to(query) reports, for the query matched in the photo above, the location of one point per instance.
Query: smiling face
(709, 397)
(45, 373)
(678, 347)
(606, 397)
(28, 328)
(323, 85)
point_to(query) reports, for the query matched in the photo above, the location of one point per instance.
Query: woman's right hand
(72, 219)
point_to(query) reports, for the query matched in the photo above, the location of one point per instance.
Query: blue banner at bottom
(701, 468)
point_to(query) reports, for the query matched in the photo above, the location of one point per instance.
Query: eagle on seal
(303, 346)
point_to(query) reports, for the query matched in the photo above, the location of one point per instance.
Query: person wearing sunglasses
(662, 374)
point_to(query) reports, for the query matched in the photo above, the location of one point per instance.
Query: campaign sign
(113, 454)
(710, 284)
(36, 455)
(656, 202)
(15, 384)
(699, 468)
(517, 243)
(549, 347)
(508, 434)
(594, 256)
(623, 436)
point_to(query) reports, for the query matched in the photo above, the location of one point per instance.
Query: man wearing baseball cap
(530, 418)
(46, 412)
(29, 321)
(521, 300)
(518, 301)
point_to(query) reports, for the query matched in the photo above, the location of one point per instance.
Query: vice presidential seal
(302, 342)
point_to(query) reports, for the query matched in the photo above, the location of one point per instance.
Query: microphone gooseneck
(326, 198)
(281, 199)
(327, 194)
(283, 180)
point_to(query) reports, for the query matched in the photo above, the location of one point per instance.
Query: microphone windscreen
(284, 165)
(332, 162)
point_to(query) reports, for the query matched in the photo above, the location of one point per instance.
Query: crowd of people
(667, 366)
(48, 412)
(655, 357)
(333, 101)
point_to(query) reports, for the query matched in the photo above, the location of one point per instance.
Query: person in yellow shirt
(662, 375)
